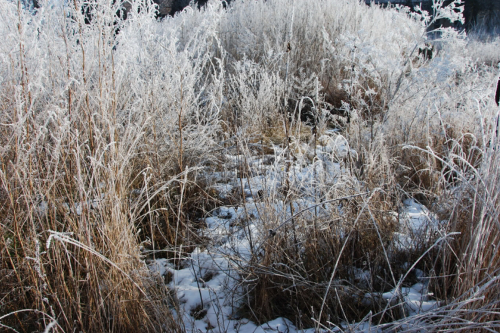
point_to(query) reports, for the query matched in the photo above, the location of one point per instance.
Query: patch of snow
(417, 225)
(207, 285)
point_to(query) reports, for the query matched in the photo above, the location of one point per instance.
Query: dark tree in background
(482, 14)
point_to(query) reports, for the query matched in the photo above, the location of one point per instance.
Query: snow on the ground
(417, 225)
(207, 284)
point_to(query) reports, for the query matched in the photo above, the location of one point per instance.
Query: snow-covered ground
(207, 285)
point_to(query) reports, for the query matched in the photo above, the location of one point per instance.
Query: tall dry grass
(110, 129)
(92, 163)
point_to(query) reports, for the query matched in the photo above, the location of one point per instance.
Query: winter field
(273, 166)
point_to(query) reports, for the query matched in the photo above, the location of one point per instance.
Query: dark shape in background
(482, 15)
(171, 7)
(426, 52)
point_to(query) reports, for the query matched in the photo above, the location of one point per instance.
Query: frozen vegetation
(280, 165)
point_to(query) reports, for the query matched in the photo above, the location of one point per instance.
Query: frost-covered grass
(155, 175)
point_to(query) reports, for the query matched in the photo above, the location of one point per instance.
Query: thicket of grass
(107, 136)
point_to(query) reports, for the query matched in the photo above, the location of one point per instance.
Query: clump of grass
(88, 173)
(323, 268)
